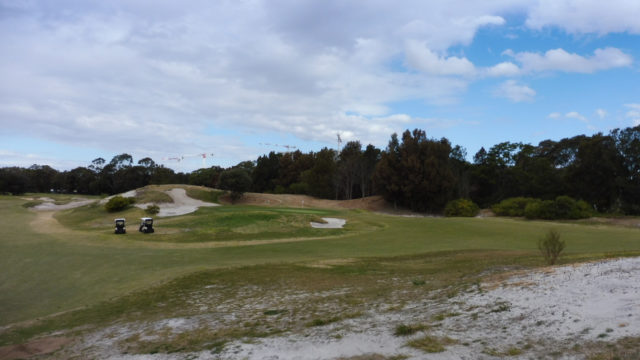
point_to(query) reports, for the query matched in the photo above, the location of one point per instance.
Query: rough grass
(406, 330)
(204, 194)
(148, 195)
(432, 344)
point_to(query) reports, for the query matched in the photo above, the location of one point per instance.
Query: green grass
(149, 195)
(210, 224)
(204, 194)
(81, 265)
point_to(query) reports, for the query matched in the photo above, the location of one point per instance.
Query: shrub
(551, 246)
(152, 209)
(118, 203)
(539, 209)
(461, 207)
(300, 188)
(563, 207)
(512, 206)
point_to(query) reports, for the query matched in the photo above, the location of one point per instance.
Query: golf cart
(146, 225)
(120, 228)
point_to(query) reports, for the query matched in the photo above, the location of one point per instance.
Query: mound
(371, 203)
(182, 204)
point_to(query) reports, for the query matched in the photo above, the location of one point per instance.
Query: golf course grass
(71, 264)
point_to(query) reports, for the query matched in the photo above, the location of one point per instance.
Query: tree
(320, 176)
(121, 161)
(41, 178)
(235, 180)
(349, 168)
(147, 162)
(627, 143)
(96, 165)
(13, 180)
(265, 173)
(369, 160)
(417, 173)
(597, 173)
(206, 177)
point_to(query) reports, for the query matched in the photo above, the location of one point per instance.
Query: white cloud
(586, 16)
(576, 115)
(421, 58)
(634, 114)
(100, 74)
(515, 91)
(601, 113)
(561, 60)
(555, 115)
(504, 69)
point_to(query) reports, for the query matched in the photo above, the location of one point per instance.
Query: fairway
(70, 260)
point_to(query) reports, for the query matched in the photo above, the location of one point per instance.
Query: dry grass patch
(432, 344)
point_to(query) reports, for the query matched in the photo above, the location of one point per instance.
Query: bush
(461, 207)
(551, 246)
(299, 188)
(118, 203)
(512, 206)
(152, 209)
(563, 207)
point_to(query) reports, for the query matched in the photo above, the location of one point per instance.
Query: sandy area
(330, 223)
(550, 309)
(32, 348)
(49, 205)
(182, 204)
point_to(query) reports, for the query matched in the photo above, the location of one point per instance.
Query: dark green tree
(237, 181)
(417, 172)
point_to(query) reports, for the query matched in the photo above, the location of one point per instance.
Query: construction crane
(182, 157)
(288, 147)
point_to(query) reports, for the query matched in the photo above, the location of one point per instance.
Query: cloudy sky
(87, 79)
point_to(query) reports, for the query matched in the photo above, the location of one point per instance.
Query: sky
(236, 79)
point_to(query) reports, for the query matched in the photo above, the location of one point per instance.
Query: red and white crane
(182, 157)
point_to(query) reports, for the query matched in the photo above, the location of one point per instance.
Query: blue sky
(164, 79)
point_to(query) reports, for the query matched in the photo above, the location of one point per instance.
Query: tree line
(413, 171)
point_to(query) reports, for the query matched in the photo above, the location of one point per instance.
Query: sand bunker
(49, 204)
(331, 223)
(128, 194)
(182, 204)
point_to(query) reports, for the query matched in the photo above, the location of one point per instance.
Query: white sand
(49, 205)
(182, 204)
(331, 223)
(128, 194)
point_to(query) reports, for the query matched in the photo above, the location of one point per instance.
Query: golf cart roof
(146, 218)
(119, 219)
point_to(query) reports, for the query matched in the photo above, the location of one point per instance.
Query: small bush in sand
(118, 203)
(551, 246)
(432, 344)
(152, 209)
(406, 330)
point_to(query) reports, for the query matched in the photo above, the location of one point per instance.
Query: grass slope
(81, 264)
